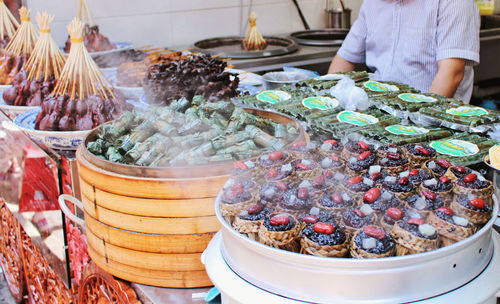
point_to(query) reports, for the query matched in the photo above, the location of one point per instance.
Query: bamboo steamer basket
(151, 225)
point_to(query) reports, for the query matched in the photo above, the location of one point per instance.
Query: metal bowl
(340, 280)
(320, 37)
(274, 80)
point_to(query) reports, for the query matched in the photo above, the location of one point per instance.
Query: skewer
(46, 58)
(25, 37)
(80, 74)
(8, 22)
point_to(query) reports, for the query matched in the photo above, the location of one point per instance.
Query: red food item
(403, 180)
(302, 166)
(333, 142)
(423, 150)
(477, 203)
(337, 198)
(358, 212)
(371, 195)
(375, 175)
(443, 163)
(414, 172)
(459, 169)
(324, 228)
(254, 209)
(299, 144)
(279, 220)
(328, 173)
(364, 155)
(415, 221)
(303, 193)
(272, 173)
(395, 213)
(374, 231)
(444, 179)
(274, 156)
(334, 158)
(310, 219)
(446, 211)
(469, 178)
(355, 180)
(364, 146)
(281, 185)
(234, 194)
(429, 194)
(240, 165)
(393, 156)
(237, 186)
(318, 181)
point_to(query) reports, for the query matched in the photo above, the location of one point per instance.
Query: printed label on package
(355, 118)
(410, 97)
(406, 130)
(467, 111)
(321, 103)
(273, 96)
(455, 147)
(376, 86)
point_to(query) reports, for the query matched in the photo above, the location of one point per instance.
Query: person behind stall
(431, 45)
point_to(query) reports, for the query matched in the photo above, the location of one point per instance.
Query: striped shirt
(402, 40)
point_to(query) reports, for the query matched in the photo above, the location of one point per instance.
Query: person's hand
(450, 74)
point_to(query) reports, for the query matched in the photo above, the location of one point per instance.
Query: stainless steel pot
(337, 280)
(339, 19)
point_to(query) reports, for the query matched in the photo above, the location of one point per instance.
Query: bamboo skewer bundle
(23, 41)
(18, 49)
(40, 71)
(81, 75)
(94, 41)
(8, 23)
(82, 99)
(46, 59)
(253, 40)
(84, 14)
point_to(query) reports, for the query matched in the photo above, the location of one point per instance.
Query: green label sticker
(355, 118)
(455, 147)
(467, 111)
(410, 97)
(273, 96)
(376, 86)
(320, 103)
(406, 130)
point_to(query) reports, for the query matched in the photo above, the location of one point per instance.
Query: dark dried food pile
(195, 75)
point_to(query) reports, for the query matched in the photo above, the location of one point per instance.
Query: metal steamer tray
(230, 47)
(342, 280)
(320, 37)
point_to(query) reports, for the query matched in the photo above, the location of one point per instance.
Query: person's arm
(339, 64)
(450, 74)
(353, 48)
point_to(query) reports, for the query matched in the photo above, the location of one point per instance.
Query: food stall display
(201, 75)
(94, 41)
(8, 25)
(296, 176)
(82, 98)
(187, 133)
(374, 203)
(37, 79)
(19, 48)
